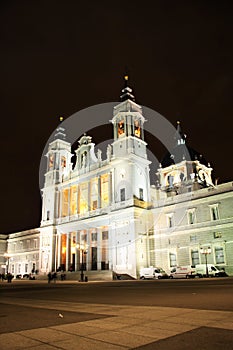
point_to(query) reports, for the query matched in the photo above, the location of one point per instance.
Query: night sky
(58, 57)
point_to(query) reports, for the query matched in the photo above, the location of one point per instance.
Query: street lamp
(83, 249)
(7, 256)
(206, 251)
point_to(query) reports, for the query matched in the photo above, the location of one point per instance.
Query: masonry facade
(103, 215)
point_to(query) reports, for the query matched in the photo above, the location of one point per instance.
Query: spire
(60, 131)
(179, 135)
(127, 91)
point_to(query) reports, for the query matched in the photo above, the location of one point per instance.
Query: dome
(182, 152)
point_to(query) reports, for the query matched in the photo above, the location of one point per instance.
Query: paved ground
(75, 325)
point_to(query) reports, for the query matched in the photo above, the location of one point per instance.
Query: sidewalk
(123, 327)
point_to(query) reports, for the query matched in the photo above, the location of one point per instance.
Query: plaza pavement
(114, 327)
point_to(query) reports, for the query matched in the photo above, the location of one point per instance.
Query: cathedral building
(101, 215)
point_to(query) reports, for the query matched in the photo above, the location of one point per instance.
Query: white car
(183, 272)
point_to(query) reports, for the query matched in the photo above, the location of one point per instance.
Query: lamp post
(83, 249)
(7, 256)
(206, 251)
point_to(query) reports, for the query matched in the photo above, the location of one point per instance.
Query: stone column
(88, 254)
(109, 188)
(99, 192)
(58, 250)
(77, 253)
(99, 248)
(67, 251)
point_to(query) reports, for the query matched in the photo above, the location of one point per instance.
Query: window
(195, 257)
(94, 194)
(121, 128)
(122, 194)
(104, 235)
(63, 162)
(19, 268)
(94, 236)
(65, 203)
(26, 268)
(84, 237)
(219, 255)
(170, 221)
(48, 214)
(83, 198)
(191, 216)
(94, 258)
(137, 128)
(217, 235)
(214, 212)
(73, 199)
(35, 243)
(104, 190)
(33, 267)
(104, 261)
(73, 238)
(193, 238)
(12, 269)
(51, 161)
(172, 258)
(141, 194)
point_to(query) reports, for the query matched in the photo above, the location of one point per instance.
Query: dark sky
(58, 57)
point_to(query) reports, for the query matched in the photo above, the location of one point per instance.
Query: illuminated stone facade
(103, 215)
(99, 204)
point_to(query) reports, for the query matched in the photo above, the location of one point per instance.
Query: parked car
(213, 271)
(152, 273)
(183, 272)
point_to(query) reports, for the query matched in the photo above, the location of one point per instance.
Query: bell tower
(59, 167)
(128, 125)
(129, 147)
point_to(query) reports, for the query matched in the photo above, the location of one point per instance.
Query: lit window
(51, 161)
(63, 162)
(104, 191)
(73, 199)
(83, 198)
(121, 128)
(65, 203)
(217, 235)
(137, 128)
(94, 194)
